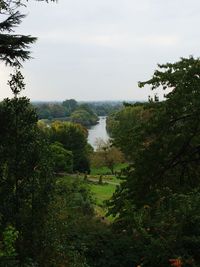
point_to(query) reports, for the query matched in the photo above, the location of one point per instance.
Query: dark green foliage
(70, 105)
(7, 247)
(101, 246)
(69, 110)
(127, 127)
(17, 82)
(102, 108)
(166, 147)
(74, 138)
(10, 236)
(25, 176)
(79, 239)
(84, 115)
(159, 199)
(50, 111)
(14, 48)
(168, 229)
(62, 158)
(72, 203)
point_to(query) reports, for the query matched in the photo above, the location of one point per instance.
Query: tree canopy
(163, 179)
(26, 179)
(73, 137)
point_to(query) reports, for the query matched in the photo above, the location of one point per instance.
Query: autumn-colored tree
(106, 155)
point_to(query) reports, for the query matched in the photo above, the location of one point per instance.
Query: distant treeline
(85, 113)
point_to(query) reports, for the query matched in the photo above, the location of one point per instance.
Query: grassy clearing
(102, 192)
(106, 171)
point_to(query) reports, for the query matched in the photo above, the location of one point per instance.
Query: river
(98, 131)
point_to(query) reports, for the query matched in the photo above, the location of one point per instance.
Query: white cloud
(160, 40)
(115, 40)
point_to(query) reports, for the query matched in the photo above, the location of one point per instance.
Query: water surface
(98, 131)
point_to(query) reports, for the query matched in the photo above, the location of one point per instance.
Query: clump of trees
(105, 108)
(27, 182)
(69, 147)
(84, 115)
(73, 137)
(68, 110)
(26, 179)
(125, 126)
(159, 199)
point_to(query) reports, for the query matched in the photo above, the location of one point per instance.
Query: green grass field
(102, 192)
(105, 171)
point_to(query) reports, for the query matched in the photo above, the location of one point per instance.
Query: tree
(158, 201)
(106, 155)
(165, 230)
(168, 153)
(62, 158)
(50, 110)
(73, 137)
(26, 180)
(127, 127)
(70, 105)
(84, 117)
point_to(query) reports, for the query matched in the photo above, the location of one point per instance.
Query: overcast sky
(100, 49)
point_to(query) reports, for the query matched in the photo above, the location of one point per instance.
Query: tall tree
(158, 202)
(26, 180)
(25, 175)
(169, 147)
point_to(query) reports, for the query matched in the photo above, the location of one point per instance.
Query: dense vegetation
(158, 202)
(47, 211)
(70, 110)
(51, 221)
(47, 220)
